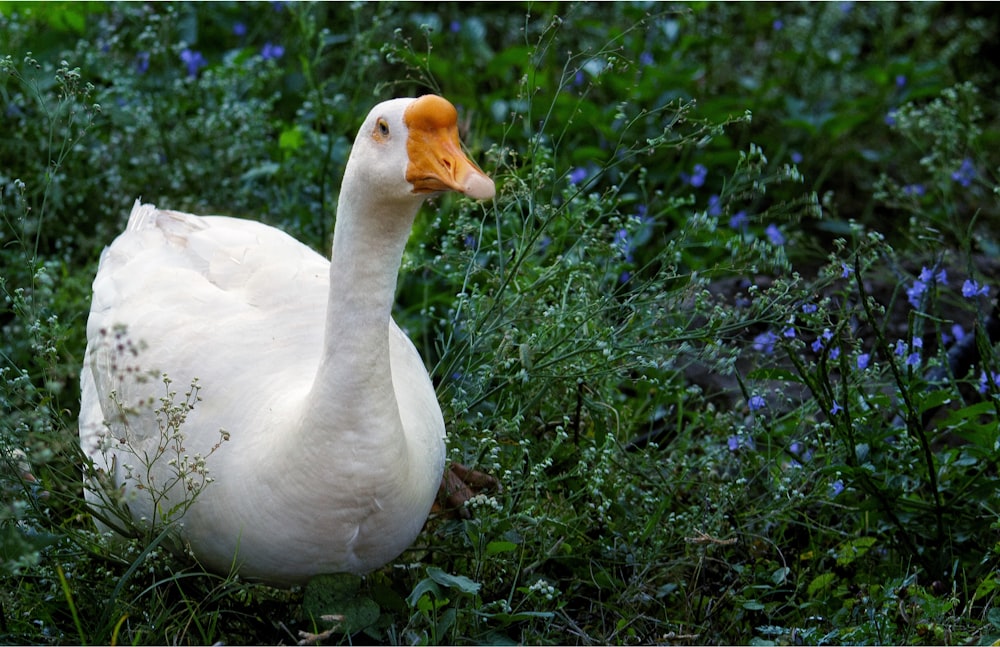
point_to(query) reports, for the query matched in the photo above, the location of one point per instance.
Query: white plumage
(336, 439)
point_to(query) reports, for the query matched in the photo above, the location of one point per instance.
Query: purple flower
(890, 118)
(972, 289)
(789, 332)
(835, 352)
(924, 280)
(914, 190)
(714, 206)
(863, 360)
(193, 60)
(900, 348)
(239, 29)
(984, 381)
(756, 402)
(915, 292)
(697, 179)
(735, 442)
(623, 243)
(739, 221)
(818, 345)
(455, 26)
(965, 174)
(847, 270)
(778, 25)
(646, 59)
(271, 52)
(836, 408)
(774, 235)
(142, 62)
(900, 80)
(764, 342)
(929, 276)
(796, 157)
(577, 175)
(809, 308)
(803, 453)
(836, 487)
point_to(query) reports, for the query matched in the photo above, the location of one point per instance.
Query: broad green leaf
(291, 139)
(337, 594)
(820, 583)
(853, 549)
(426, 585)
(460, 582)
(495, 547)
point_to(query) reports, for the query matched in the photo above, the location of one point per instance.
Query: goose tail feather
(142, 216)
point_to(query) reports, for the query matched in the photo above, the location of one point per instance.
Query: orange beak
(437, 162)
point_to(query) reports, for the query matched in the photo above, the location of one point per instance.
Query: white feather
(336, 439)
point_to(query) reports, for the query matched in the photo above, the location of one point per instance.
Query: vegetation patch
(727, 336)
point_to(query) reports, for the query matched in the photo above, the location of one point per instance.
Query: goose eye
(382, 128)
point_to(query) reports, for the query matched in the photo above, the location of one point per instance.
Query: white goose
(336, 438)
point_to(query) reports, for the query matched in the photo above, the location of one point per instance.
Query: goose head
(408, 149)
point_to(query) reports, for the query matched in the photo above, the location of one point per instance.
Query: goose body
(335, 445)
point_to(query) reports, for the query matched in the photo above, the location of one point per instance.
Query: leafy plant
(727, 336)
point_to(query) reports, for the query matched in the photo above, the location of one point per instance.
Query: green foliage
(337, 598)
(703, 336)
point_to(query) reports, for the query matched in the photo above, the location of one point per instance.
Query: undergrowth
(727, 335)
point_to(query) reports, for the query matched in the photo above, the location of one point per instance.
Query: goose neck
(353, 389)
(367, 251)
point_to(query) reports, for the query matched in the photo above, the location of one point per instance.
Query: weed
(727, 336)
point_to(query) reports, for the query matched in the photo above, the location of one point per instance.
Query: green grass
(702, 335)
